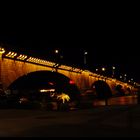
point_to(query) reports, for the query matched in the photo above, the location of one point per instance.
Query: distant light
(71, 82)
(113, 68)
(23, 100)
(120, 76)
(103, 69)
(50, 83)
(56, 51)
(96, 69)
(134, 83)
(85, 52)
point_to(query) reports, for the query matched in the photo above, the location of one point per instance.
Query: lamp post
(125, 75)
(121, 77)
(56, 51)
(59, 57)
(113, 71)
(85, 57)
(97, 70)
(103, 70)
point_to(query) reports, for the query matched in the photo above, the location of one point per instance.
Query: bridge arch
(13, 69)
(37, 80)
(102, 89)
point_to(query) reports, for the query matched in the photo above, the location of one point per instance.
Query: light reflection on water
(125, 100)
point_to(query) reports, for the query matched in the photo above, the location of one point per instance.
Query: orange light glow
(65, 67)
(2, 50)
(11, 54)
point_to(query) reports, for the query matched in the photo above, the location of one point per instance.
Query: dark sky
(110, 37)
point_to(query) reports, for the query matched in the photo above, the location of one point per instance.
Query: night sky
(110, 38)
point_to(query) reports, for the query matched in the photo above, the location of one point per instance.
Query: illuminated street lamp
(58, 56)
(120, 76)
(56, 51)
(103, 69)
(113, 71)
(85, 57)
(132, 80)
(96, 70)
(125, 75)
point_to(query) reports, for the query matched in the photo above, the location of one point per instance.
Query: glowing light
(56, 65)
(71, 82)
(56, 51)
(40, 61)
(47, 90)
(11, 54)
(23, 100)
(51, 83)
(85, 53)
(65, 67)
(113, 68)
(76, 70)
(2, 50)
(22, 57)
(103, 69)
(52, 94)
(134, 83)
(64, 97)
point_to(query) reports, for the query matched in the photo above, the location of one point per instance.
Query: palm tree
(64, 97)
(63, 100)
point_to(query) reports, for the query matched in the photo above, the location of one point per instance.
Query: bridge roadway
(100, 121)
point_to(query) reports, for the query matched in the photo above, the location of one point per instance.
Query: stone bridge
(14, 65)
